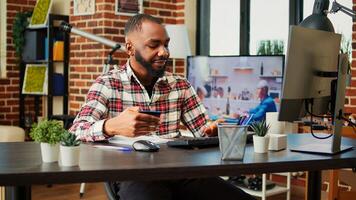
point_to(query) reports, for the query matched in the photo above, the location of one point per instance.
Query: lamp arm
(66, 27)
(338, 7)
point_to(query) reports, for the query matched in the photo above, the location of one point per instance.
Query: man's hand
(212, 129)
(131, 123)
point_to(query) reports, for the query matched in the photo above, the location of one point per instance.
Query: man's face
(262, 92)
(150, 48)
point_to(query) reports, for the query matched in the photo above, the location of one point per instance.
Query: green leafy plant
(18, 30)
(260, 128)
(47, 131)
(270, 47)
(70, 140)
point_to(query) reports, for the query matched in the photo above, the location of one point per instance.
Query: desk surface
(20, 163)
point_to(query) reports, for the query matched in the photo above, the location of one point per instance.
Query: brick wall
(350, 103)
(87, 57)
(9, 86)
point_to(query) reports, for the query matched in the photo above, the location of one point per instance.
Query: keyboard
(199, 142)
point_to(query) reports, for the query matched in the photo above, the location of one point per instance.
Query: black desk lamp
(318, 19)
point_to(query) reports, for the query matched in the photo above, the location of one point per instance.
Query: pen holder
(232, 141)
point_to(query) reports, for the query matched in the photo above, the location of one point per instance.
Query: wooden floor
(93, 191)
(96, 191)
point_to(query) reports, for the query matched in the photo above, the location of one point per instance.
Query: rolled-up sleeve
(194, 113)
(88, 124)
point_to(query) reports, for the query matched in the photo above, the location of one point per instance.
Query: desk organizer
(232, 141)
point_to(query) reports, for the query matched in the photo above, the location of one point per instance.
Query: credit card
(151, 112)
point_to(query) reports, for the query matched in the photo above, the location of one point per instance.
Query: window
(3, 38)
(342, 23)
(269, 21)
(224, 27)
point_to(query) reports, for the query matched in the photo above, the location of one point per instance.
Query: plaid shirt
(119, 89)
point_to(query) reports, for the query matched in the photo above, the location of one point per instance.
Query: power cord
(311, 120)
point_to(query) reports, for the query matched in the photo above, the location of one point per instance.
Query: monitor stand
(320, 149)
(335, 147)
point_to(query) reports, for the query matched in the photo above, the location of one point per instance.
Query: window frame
(203, 23)
(3, 37)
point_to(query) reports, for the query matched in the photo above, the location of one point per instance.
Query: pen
(242, 120)
(114, 147)
(247, 122)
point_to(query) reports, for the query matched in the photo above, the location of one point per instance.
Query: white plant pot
(260, 144)
(49, 152)
(69, 155)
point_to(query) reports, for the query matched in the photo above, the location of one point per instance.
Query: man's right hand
(131, 123)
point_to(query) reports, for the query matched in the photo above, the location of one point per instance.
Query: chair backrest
(11, 134)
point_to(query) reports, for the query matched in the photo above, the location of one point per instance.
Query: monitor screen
(235, 86)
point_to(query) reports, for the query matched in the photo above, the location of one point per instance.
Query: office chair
(112, 190)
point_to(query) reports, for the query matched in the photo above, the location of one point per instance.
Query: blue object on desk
(113, 147)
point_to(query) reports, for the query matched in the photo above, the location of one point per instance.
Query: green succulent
(260, 128)
(47, 131)
(68, 139)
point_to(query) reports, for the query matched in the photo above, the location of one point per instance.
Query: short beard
(148, 66)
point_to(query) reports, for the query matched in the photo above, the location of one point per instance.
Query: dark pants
(187, 189)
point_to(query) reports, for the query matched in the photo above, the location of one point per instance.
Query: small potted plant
(69, 149)
(260, 138)
(49, 134)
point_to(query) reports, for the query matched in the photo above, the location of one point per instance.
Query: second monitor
(233, 86)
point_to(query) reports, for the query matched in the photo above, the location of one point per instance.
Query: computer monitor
(309, 52)
(228, 85)
(313, 66)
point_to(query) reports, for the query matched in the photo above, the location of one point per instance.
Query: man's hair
(135, 22)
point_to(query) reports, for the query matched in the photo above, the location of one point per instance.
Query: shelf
(40, 36)
(219, 76)
(270, 76)
(41, 61)
(243, 68)
(275, 190)
(44, 27)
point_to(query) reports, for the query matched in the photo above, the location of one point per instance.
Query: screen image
(235, 86)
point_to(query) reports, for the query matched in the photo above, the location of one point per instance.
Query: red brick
(5, 109)
(85, 76)
(157, 5)
(72, 76)
(353, 101)
(11, 116)
(351, 92)
(165, 13)
(12, 88)
(79, 83)
(111, 31)
(74, 105)
(170, 21)
(151, 11)
(80, 99)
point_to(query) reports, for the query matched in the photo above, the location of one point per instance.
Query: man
(267, 103)
(114, 100)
